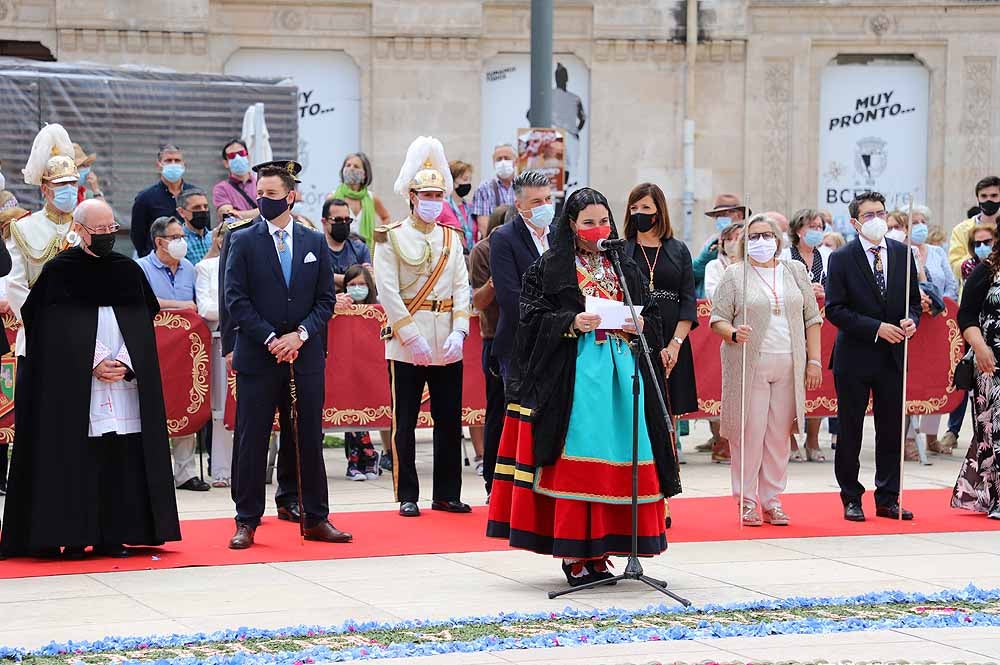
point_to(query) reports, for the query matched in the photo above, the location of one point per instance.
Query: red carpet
(384, 533)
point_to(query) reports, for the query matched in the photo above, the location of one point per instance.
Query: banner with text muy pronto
(183, 343)
(357, 376)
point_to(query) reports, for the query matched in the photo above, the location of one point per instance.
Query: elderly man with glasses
(866, 299)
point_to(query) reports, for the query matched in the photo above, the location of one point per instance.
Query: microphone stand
(633, 569)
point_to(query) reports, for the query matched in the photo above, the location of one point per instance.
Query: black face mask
(339, 232)
(463, 190)
(101, 244)
(989, 208)
(200, 219)
(643, 221)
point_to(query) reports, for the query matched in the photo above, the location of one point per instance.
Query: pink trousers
(770, 415)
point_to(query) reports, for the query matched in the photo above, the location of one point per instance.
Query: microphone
(607, 244)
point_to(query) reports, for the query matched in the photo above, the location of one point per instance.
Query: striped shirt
(491, 195)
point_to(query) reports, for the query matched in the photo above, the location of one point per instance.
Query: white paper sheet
(613, 313)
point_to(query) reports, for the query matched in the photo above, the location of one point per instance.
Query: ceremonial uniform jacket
(406, 256)
(32, 241)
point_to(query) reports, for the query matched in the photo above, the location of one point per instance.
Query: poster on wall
(543, 150)
(873, 134)
(329, 112)
(506, 98)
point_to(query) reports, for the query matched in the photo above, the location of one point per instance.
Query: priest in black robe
(91, 463)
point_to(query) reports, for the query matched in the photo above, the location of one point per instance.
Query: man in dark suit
(279, 291)
(513, 248)
(866, 299)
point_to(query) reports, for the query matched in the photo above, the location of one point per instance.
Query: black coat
(512, 251)
(543, 366)
(47, 500)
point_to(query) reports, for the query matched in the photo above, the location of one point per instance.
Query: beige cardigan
(802, 312)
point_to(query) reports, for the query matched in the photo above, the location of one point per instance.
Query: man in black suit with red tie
(866, 300)
(279, 291)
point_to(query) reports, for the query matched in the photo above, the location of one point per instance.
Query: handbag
(965, 371)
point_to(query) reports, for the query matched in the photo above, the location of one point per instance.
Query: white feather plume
(50, 141)
(422, 150)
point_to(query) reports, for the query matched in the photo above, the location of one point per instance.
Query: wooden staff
(743, 351)
(906, 349)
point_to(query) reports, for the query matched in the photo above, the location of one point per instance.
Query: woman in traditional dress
(978, 484)
(563, 480)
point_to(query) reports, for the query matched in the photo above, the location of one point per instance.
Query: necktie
(879, 272)
(285, 256)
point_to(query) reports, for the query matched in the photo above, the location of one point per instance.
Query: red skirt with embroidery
(565, 528)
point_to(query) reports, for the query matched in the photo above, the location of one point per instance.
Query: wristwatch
(303, 334)
(679, 341)
(734, 335)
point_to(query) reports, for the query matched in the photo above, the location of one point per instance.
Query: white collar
(867, 244)
(273, 228)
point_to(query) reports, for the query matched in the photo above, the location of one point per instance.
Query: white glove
(420, 350)
(453, 347)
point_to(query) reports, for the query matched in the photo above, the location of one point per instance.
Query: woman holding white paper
(563, 480)
(782, 329)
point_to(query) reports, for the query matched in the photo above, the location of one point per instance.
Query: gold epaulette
(8, 217)
(382, 232)
(304, 221)
(238, 224)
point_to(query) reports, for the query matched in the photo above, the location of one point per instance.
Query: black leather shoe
(409, 509)
(892, 511)
(451, 506)
(290, 513)
(195, 485)
(853, 512)
(74, 553)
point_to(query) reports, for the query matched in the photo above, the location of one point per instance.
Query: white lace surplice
(114, 407)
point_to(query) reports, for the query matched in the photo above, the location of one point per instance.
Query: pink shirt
(449, 218)
(225, 192)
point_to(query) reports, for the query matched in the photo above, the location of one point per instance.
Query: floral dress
(978, 484)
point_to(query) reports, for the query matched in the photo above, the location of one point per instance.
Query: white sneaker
(353, 473)
(994, 514)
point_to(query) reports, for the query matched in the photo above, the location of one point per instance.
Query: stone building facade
(758, 78)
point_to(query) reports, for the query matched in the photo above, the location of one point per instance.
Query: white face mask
(429, 211)
(177, 248)
(874, 229)
(504, 168)
(762, 250)
(899, 235)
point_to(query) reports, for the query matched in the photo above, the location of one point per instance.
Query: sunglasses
(236, 153)
(340, 220)
(982, 243)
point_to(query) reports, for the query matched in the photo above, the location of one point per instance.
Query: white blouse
(206, 290)
(114, 407)
(778, 338)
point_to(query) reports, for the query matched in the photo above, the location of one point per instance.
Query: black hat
(293, 167)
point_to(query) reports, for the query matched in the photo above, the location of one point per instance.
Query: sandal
(750, 515)
(815, 455)
(795, 456)
(221, 482)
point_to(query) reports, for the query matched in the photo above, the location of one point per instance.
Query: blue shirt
(353, 252)
(152, 202)
(198, 245)
(166, 284)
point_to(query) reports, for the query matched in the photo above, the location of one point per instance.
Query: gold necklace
(652, 265)
(773, 287)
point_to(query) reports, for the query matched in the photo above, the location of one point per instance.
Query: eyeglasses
(102, 230)
(236, 153)
(869, 216)
(766, 235)
(983, 243)
(176, 236)
(340, 220)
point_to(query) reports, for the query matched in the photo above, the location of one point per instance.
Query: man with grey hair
(496, 191)
(160, 199)
(192, 206)
(171, 276)
(513, 248)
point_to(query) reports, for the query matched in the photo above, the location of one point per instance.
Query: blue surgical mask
(813, 237)
(918, 233)
(64, 198)
(239, 165)
(358, 293)
(721, 223)
(173, 172)
(982, 251)
(84, 171)
(541, 216)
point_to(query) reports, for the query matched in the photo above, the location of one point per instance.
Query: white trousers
(770, 408)
(184, 458)
(222, 439)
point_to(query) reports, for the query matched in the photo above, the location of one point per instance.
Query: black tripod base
(633, 571)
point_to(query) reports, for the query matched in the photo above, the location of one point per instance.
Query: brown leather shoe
(325, 532)
(243, 538)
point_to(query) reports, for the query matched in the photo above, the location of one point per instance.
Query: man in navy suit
(513, 248)
(866, 299)
(279, 291)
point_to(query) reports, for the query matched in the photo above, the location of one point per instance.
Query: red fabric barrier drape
(357, 376)
(934, 351)
(183, 343)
